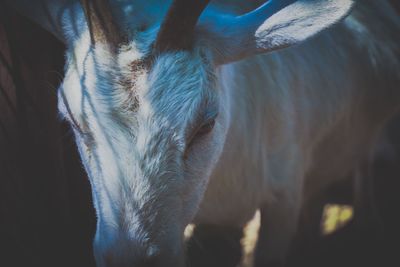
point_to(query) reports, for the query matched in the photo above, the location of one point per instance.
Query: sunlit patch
(335, 217)
(189, 231)
(250, 239)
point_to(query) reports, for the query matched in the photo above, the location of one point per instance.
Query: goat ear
(276, 25)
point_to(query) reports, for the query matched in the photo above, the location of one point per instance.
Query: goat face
(149, 136)
(150, 124)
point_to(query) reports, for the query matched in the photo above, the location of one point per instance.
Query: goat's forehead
(173, 87)
(180, 82)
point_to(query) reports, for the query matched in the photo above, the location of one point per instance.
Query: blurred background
(46, 214)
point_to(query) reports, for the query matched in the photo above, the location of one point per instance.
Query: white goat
(177, 123)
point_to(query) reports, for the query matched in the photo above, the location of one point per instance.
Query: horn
(102, 26)
(176, 31)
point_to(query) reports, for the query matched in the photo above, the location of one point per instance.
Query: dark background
(46, 214)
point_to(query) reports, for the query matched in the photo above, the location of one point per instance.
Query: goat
(184, 112)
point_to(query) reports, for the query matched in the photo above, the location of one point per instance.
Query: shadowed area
(371, 242)
(46, 215)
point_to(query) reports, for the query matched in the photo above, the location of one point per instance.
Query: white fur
(276, 24)
(288, 124)
(300, 21)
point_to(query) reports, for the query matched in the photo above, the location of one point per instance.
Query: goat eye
(206, 128)
(203, 130)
